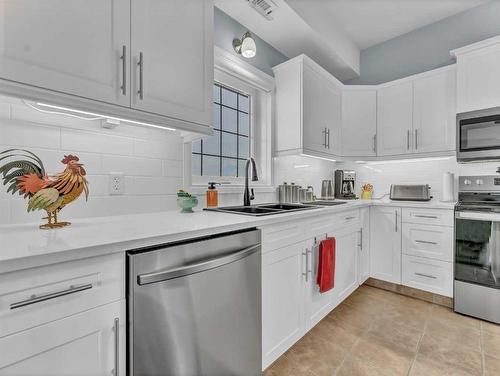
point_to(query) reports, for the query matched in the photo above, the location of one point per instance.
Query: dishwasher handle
(147, 278)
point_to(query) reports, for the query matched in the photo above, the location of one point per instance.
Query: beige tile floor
(377, 332)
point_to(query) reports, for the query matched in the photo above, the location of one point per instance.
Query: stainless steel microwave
(478, 135)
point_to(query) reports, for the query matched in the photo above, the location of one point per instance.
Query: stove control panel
(486, 183)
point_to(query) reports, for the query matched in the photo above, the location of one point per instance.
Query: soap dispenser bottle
(212, 195)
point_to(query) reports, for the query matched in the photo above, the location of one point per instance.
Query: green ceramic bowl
(187, 203)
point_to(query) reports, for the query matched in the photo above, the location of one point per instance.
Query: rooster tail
(19, 163)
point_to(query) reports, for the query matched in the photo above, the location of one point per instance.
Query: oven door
(478, 135)
(477, 248)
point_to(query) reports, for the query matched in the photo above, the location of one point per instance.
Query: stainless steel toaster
(416, 192)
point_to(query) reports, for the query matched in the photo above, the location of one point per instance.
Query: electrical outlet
(116, 183)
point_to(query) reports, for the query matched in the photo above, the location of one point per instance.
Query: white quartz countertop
(24, 246)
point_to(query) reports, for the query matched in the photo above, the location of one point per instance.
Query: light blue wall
(428, 47)
(227, 28)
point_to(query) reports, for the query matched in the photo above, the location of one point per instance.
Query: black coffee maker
(345, 184)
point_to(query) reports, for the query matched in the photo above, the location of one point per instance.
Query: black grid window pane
(225, 152)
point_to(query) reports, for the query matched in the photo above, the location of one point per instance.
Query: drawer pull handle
(40, 298)
(116, 328)
(349, 218)
(425, 216)
(425, 242)
(426, 275)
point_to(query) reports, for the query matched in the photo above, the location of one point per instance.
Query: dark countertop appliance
(414, 192)
(345, 184)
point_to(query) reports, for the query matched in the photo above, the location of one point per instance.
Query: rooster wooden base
(23, 172)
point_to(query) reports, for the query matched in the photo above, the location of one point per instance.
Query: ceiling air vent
(264, 7)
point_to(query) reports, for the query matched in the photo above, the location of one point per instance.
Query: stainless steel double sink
(270, 209)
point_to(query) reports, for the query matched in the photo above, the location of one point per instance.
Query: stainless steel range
(477, 247)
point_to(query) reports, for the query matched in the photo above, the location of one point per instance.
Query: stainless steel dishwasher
(194, 308)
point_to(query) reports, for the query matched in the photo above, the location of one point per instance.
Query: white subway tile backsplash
(15, 133)
(96, 142)
(132, 165)
(4, 212)
(172, 168)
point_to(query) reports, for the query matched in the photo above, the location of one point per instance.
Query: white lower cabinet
(435, 242)
(429, 275)
(282, 300)
(85, 344)
(291, 301)
(385, 243)
(364, 246)
(347, 246)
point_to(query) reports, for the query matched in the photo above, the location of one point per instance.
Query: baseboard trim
(411, 292)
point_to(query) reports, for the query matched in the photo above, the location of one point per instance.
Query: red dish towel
(326, 265)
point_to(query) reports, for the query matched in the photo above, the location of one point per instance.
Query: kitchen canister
(448, 188)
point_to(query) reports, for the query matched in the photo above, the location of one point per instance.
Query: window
(226, 151)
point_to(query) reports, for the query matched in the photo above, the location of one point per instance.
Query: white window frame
(231, 71)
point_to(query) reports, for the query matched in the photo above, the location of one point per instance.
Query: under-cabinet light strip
(103, 116)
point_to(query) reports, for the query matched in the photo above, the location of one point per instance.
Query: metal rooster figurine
(24, 173)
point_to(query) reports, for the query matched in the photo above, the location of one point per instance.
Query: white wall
(382, 175)
(302, 171)
(150, 159)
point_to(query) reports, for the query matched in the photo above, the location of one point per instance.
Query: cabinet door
(175, 75)
(478, 79)
(346, 265)
(83, 344)
(359, 122)
(332, 111)
(395, 119)
(385, 250)
(282, 300)
(434, 112)
(364, 246)
(314, 126)
(73, 47)
(318, 305)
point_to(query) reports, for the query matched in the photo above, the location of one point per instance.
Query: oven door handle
(164, 275)
(478, 216)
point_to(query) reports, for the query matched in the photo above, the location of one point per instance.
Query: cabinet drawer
(439, 217)
(428, 275)
(435, 242)
(277, 236)
(346, 218)
(35, 296)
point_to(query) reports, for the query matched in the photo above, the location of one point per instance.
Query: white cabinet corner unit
(308, 109)
(318, 116)
(478, 75)
(140, 60)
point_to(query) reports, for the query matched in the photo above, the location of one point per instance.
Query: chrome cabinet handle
(425, 242)
(325, 144)
(328, 133)
(349, 218)
(144, 279)
(396, 221)
(140, 64)
(408, 140)
(361, 239)
(374, 143)
(306, 273)
(123, 58)
(40, 298)
(117, 347)
(416, 139)
(425, 216)
(426, 275)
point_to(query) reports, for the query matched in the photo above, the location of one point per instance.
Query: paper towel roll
(448, 194)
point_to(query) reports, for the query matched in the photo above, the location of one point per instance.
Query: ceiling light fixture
(245, 46)
(72, 110)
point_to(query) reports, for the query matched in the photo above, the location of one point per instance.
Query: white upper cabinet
(359, 121)
(143, 60)
(308, 109)
(172, 58)
(478, 75)
(434, 112)
(71, 47)
(395, 118)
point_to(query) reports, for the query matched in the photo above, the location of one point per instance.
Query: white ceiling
(332, 32)
(370, 22)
